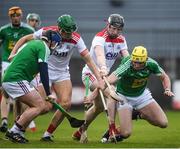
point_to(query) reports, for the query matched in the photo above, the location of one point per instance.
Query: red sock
(112, 126)
(51, 129)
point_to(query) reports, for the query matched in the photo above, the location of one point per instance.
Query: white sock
(4, 120)
(15, 129)
(32, 124)
(47, 134)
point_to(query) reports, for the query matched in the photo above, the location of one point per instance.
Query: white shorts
(36, 81)
(54, 76)
(58, 76)
(137, 102)
(17, 89)
(4, 66)
(91, 76)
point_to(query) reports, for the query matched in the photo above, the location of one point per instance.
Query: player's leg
(4, 114)
(97, 107)
(154, 114)
(63, 92)
(90, 115)
(111, 105)
(36, 104)
(19, 108)
(92, 112)
(34, 83)
(150, 109)
(125, 117)
(4, 105)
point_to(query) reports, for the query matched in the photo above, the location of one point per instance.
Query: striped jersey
(133, 82)
(9, 35)
(59, 60)
(25, 65)
(112, 48)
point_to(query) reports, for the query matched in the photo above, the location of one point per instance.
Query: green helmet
(67, 23)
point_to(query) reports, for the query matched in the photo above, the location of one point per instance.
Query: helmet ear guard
(67, 23)
(139, 54)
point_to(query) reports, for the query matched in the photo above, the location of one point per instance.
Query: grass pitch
(144, 135)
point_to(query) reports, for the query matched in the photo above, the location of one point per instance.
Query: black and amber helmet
(15, 10)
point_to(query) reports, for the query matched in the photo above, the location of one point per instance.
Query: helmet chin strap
(54, 46)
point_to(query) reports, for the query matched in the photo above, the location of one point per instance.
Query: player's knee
(42, 107)
(163, 124)
(66, 104)
(46, 108)
(125, 133)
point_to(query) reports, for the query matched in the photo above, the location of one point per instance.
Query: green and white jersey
(9, 35)
(24, 65)
(133, 82)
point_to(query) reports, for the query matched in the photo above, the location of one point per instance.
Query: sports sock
(4, 120)
(50, 130)
(17, 129)
(47, 134)
(112, 126)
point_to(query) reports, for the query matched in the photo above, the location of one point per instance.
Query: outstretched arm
(124, 53)
(166, 84)
(101, 60)
(112, 78)
(93, 68)
(19, 44)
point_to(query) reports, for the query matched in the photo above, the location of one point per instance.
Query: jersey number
(11, 45)
(139, 82)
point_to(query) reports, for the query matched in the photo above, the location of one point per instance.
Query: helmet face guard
(53, 37)
(67, 23)
(116, 20)
(34, 16)
(139, 54)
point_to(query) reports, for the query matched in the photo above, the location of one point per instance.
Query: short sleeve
(43, 53)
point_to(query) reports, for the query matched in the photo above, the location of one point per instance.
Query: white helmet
(34, 16)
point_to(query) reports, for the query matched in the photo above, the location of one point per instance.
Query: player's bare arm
(124, 53)
(100, 55)
(19, 44)
(94, 69)
(166, 84)
(112, 79)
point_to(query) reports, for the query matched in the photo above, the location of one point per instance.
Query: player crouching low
(131, 83)
(30, 60)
